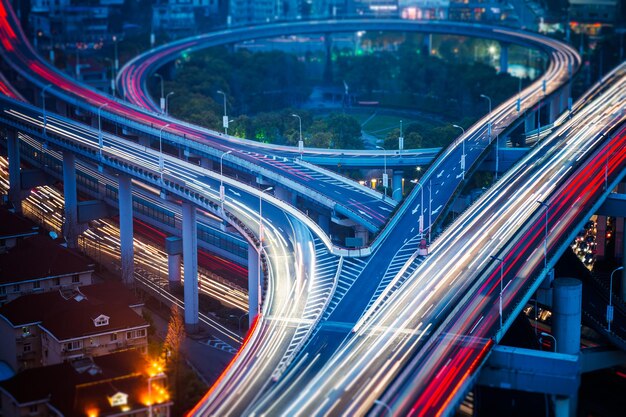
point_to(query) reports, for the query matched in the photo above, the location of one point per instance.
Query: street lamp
(385, 406)
(545, 240)
(401, 139)
(544, 334)
(240, 317)
(117, 61)
(385, 176)
(167, 107)
(222, 194)
(43, 106)
(421, 217)
(609, 308)
(225, 117)
(100, 141)
(162, 101)
(161, 161)
(501, 287)
(300, 141)
(463, 149)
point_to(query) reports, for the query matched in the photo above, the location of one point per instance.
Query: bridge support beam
(504, 57)
(125, 197)
(324, 222)
(529, 122)
(206, 163)
(254, 283)
(566, 314)
(15, 183)
(396, 184)
(285, 195)
(190, 258)
(70, 225)
(174, 249)
(362, 233)
(554, 108)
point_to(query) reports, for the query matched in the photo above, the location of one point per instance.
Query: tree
(175, 334)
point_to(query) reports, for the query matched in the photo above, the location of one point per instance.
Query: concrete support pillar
(324, 222)
(206, 163)
(554, 108)
(563, 407)
(190, 258)
(254, 283)
(529, 122)
(70, 225)
(427, 44)
(125, 197)
(600, 236)
(362, 233)
(15, 183)
(566, 314)
(504, 57)
(144, 141)
(174, 249)
(396, 185)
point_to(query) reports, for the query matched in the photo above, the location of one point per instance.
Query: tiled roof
(39, 257)
(73, 392)
(12, 225)
(66, 318)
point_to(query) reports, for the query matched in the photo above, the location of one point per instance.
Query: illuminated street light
(222, 194)
(162, 101)
(300, 141)
(462, 150)
(167, 107)
(609, 308)
(385, 176)
(100, 141)
(501, 285)
(544, 334)
(161, 161)
(225, 117)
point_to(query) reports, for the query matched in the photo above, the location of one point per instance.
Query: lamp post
(162, 101)
(225, 117)
(222, 194)
(501, 285)
(544, 334)
(401, 139)
(240, 317)
(385, 176)
(545, 240)
(385, 406)
(489, 126)
(161, 161)
(100, 141)
(117, 61)
(300, 141)
(609, 308)
(43, 106)
(167, 107)
(462, 149)
(260, 247)
(421, 217)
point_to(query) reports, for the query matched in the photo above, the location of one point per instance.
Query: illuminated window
(101, 320)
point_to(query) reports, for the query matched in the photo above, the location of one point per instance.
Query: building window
(57, 281)
(75, 278)
(27, 347)
(113, 337)
(3, 290)
(37, 284)
(16, 288)
(101, 320)
(136, 334)
(32, 409)
(25, 331)
(75, 345)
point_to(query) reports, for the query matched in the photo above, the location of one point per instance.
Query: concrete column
(174, 249)
(566, 314)
(206, 163)
(529, 122)
(190, 258)
(324, 222)
(70, 226)
(15, 183)
(254, 282)
(427, 43)
(362, 232)
(600, 236)
(553, 108)
(504, 57)
(396, 185)
(125, 198)
(144, 141)
(285, 195)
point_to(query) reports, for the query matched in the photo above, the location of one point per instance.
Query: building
(424, 9)
(14, 228)
(20, 274)
(119, 384)
(71, 323)
(373, 8)
(591, 16)
(179, 18)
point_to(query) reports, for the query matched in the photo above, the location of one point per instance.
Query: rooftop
(70, 314)
(25, 262)
(12, 225)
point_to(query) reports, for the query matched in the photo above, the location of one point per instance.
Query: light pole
(100, 141)
(609, 308)
(385, 406)
(43, 106)
(260, 247)
(117, 61)
(385, 176)
(162, 101)
(545, 240)
(421, 217)
(161, 161)
(225, 117)
(544, 334)
(240, 317)
(222, 194)
(401, 139)
(501, 285)
(463, 149)
(489, 132)
(167, 107)
(300, 141)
